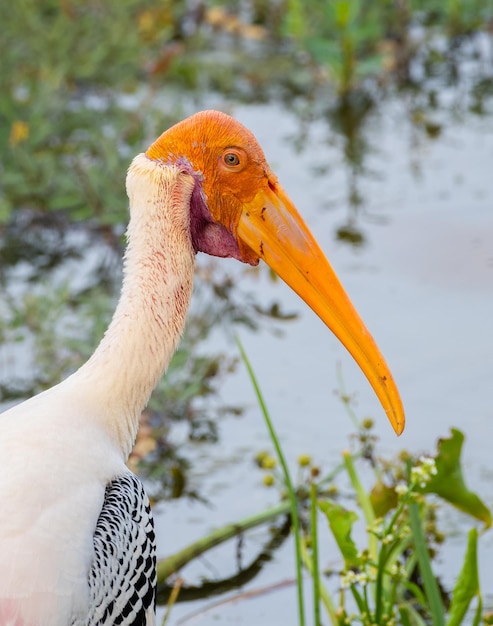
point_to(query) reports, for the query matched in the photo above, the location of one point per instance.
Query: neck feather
(150, 316)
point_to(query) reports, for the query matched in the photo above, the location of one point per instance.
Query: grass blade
(429, 581)
(315, 569)
(324, 594)
(363, 500)
(287, 478)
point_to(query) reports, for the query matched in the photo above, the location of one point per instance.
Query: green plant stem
(382, 558)
(410, 617)
(386, 556)
(362, 605)
(398, 548)
(364, 502)
(429, 580)
(315, 568)
(289, 485)
(173, 563)
(324, 595)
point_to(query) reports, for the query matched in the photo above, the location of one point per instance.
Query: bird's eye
(231, 159)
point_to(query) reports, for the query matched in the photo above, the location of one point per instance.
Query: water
(423, 283)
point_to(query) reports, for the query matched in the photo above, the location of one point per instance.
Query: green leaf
(410, 617)
(5, 209)
(430, 584)
(341, 522)
(383, 498)
(467, 585)
(449, 484)
(295, 20)
(345, 11)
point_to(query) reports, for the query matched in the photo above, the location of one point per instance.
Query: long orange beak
(271, 226)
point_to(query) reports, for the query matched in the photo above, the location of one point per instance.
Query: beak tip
(398, 422)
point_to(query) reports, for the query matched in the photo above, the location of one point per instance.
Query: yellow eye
(231, 159)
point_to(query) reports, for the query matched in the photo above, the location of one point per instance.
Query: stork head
(238, 209)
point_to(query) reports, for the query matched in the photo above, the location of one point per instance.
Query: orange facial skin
(239, 209)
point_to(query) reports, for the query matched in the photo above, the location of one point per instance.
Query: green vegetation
(355, 39)
(386, 575)
(390, 580)
(84, 84)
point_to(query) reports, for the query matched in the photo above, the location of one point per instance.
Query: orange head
(230, 169)
(238, 209)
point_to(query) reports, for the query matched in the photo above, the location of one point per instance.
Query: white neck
(150, 316)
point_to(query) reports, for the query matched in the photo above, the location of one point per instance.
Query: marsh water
(400, 197)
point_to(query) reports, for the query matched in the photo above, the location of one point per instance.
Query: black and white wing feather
(122, 579)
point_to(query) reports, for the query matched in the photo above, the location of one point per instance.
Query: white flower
(423, 473)
(401, 489)
(397, 570)
(388, 538)
(347, 579)
(362, 578)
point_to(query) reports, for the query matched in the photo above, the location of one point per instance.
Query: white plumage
(60, 449)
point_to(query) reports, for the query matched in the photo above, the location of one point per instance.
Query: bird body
(49, 513)
(76, 536)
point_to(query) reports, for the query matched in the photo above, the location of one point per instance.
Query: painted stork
(76, 533)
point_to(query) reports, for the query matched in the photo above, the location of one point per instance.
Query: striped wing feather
(122, 580)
